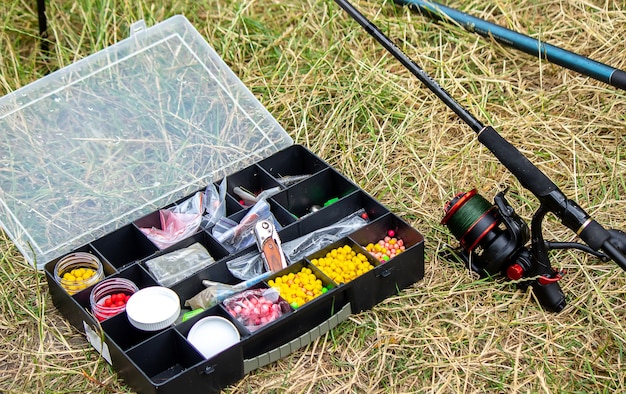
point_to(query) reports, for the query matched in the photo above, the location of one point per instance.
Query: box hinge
(138, 26)
(384, 273)
(206, 369)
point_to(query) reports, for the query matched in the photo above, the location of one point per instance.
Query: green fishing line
(467, 214)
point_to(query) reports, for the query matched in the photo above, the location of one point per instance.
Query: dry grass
(337, 92)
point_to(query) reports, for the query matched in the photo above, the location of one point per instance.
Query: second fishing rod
(493, 237)
(524, 43)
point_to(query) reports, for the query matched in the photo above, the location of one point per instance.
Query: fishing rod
(529, 45)
(493, 237)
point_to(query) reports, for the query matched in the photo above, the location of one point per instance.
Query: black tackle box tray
(164, 360)
(97, 150)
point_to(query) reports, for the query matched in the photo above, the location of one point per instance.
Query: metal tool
(269, 245)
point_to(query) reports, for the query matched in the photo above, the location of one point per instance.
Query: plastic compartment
(378, 229)
(277, 280)
(191, 286)
(341, 267)
(153, 219)
(124, 246)
(215, 311)
(396, 274)
(122, 334)
(166, 272)
(290, 326)
(170, 364)
(254, 310)
(362, 292)
(246, 239)
(253, 180)
(151, 225)
(321, 189)
(293, 161)
(353, 202)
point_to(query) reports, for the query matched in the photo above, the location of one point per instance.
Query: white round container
(153, 308)
(212, 334)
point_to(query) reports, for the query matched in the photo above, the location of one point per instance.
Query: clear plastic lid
(141, 124)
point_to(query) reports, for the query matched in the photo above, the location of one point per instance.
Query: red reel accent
(545, 280)
(457, 202)
(515, 272)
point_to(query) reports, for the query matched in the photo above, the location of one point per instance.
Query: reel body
(492, 241)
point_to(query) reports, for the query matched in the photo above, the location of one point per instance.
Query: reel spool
(470, 218)
(492, 236)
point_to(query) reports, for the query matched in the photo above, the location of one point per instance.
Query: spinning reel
(492, 241)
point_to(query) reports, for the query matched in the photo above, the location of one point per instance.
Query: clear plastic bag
(177, 223)
(256, 307)
(307, 244)
(216, 292)
(247, 199)
(237, 236)
(171, 268)
(214, 204)
(247, 266)
(251, 264)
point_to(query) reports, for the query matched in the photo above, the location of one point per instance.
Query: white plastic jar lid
(153, 308)
(212, 334)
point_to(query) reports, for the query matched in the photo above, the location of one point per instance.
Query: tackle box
(96, 152)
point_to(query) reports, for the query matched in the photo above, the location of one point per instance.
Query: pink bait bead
(391, 233)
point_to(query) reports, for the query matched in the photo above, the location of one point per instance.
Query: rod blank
(529, 45)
